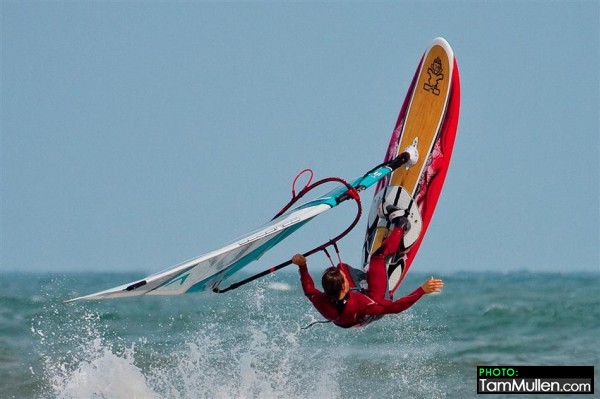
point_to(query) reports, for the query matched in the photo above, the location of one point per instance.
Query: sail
(206, 272)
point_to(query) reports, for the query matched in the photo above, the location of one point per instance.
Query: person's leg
(377, 274)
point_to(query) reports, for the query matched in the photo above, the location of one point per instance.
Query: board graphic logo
(435, 72)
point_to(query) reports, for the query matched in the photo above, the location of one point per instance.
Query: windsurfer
(346, 305)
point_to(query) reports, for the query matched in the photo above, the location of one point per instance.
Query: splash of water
(79, 361)
(263, 357)
(246, 345)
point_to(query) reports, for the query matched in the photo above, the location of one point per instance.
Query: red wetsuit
(359, 306)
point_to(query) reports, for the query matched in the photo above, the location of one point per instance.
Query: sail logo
(269, 231)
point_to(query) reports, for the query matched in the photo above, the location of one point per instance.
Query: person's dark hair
(332, 282)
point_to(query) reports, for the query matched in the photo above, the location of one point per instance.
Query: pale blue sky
(137, 135)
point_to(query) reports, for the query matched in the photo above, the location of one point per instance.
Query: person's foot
(398, 217)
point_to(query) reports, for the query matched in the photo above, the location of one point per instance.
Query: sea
(251, 342)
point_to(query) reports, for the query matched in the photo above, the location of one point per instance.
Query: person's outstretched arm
(308, 285)
(400, 305)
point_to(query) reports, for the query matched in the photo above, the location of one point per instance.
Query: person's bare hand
(432, 285)
(299, 260)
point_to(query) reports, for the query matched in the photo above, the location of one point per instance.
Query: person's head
(334, 283)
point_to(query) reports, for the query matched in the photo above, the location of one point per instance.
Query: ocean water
(249, 343)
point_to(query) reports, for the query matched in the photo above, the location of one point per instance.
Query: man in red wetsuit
(348, 307)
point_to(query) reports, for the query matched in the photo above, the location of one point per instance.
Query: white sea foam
(280, 286)
(105, 375)
(261, 359)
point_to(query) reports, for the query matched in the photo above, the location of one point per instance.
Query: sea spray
(429, 351)
(248, 343)
(263, 357)
(85, 353)
(82, 360)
